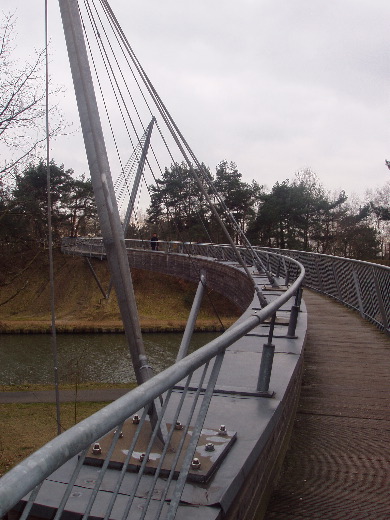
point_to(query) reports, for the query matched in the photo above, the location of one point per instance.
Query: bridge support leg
(105, 295)
(185, 342)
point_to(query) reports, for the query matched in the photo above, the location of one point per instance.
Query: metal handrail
(359, 285)
(30, 473)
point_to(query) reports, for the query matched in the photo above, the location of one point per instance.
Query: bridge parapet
(362, 286)
(359, 285)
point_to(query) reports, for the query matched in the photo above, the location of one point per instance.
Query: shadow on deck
(338, 463)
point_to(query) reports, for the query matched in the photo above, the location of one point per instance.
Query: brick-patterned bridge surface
(338, 463)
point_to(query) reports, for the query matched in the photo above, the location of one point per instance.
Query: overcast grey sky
(273, 85)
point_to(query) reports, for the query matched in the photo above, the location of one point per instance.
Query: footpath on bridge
(338, 463)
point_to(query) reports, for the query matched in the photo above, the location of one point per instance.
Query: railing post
(292, 324)
(277, 274)
(358, 292)
(267, 359)
(294, 314)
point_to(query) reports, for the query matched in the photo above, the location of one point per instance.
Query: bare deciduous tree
(22, 103)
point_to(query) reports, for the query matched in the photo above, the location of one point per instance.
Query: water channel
(82, 358)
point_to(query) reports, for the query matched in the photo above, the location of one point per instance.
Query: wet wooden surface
(338, 463)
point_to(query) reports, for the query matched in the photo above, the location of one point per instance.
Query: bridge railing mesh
(362, 286)
(359, 285)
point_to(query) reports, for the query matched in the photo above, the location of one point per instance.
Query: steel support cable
(71, 483)
(161, 107)
(125, 46)
(183, 146)
(122, 182)
(53, 336)
(153, 437)
(119, 67)
(179, 139)
(186, 464)
(126, 462)
(101, 46)
(207, 179)
(112, 25)
(97, 38)
(102, 472)
(106, 60)
(119, 31)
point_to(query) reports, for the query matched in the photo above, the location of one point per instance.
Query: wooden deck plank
(338, 463)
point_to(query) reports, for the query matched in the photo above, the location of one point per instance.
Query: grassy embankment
(163, 302)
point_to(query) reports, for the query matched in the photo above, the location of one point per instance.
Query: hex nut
(136, 419)
(210, 447)
(96, 450)
(178, 425)
(142, 457)
(195, 464)
(222, 430)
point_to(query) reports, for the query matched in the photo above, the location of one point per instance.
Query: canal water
(83, 358)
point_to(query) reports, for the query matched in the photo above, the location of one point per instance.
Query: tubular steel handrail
(362, 286)
(359, 285)
(33, 471)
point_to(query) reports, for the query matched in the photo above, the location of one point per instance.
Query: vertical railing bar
(180, 447)
(195, 437)
(147, 452)
(70, 485)
(358, 292)
(319, 278)
(102, 472)
(277, 274)
(126, 463)
(380, 302)
(166, 446)
(284, 266)
(30, 502)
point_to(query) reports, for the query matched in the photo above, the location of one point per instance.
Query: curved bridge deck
(338, 463)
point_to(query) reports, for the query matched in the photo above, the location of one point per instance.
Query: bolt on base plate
(209, 460)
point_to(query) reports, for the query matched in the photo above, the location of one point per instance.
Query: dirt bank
(163, 301)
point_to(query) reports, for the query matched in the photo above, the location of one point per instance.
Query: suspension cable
(50, 233)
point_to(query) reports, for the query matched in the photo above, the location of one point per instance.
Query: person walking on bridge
(154, 242)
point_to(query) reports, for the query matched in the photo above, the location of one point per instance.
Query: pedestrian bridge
(236, 396)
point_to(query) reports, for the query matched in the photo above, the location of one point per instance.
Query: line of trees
(23, 205)
(298, 214)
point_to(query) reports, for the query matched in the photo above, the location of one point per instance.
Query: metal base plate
(209, 460)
